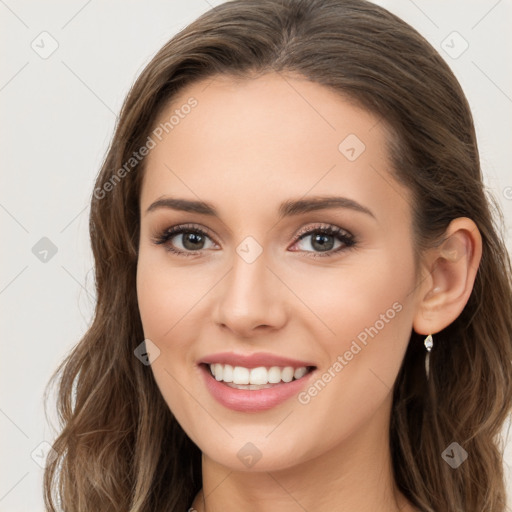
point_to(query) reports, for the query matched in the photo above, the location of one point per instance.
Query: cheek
(165, 295)
(370, 313)
(172, 302)
(365, 314)
(164, 299)
(153, 299)
(354, 298)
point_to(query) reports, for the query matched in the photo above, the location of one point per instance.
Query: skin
(245, 148)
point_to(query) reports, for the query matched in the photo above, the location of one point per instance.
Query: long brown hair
(120, 448)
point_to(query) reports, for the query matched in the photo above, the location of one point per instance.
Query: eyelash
(344, 236)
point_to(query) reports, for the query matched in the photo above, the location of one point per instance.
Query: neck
(355, 475)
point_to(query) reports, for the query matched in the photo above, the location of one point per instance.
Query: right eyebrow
(185, 205)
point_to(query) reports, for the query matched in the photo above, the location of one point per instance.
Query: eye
(325, 239)
(184, 240)
(190, 240)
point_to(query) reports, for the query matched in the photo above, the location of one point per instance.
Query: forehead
(266, 138)
(275, 109)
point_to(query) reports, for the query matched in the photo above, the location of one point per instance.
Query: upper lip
(253, 360)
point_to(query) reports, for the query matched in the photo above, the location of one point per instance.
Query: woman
(303, 302)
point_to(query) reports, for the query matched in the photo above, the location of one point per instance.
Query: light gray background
(58, 115)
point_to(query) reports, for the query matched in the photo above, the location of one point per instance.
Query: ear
(449, 272)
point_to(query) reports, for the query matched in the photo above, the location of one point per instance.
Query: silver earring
(429, 343)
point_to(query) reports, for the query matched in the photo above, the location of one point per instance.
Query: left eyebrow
(289, 208)
(286, 209)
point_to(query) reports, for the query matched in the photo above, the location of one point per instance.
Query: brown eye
(192, 241)
(328, 240)
(184, 240)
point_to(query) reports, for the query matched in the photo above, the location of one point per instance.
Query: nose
(250, 299)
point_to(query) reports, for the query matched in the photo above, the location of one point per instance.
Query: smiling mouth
(262, 377)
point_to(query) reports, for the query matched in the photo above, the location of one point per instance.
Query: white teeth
(227, 376)
(287, 374)
(258, 376)
(261, 376)
(299, 372)
(274, 375)
(240, 375)
(218, 372)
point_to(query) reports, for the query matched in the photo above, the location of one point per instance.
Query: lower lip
(256, 400)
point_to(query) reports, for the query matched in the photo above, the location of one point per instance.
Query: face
(299, 265)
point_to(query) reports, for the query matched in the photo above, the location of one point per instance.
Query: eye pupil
(193, 239)
(325, 242)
